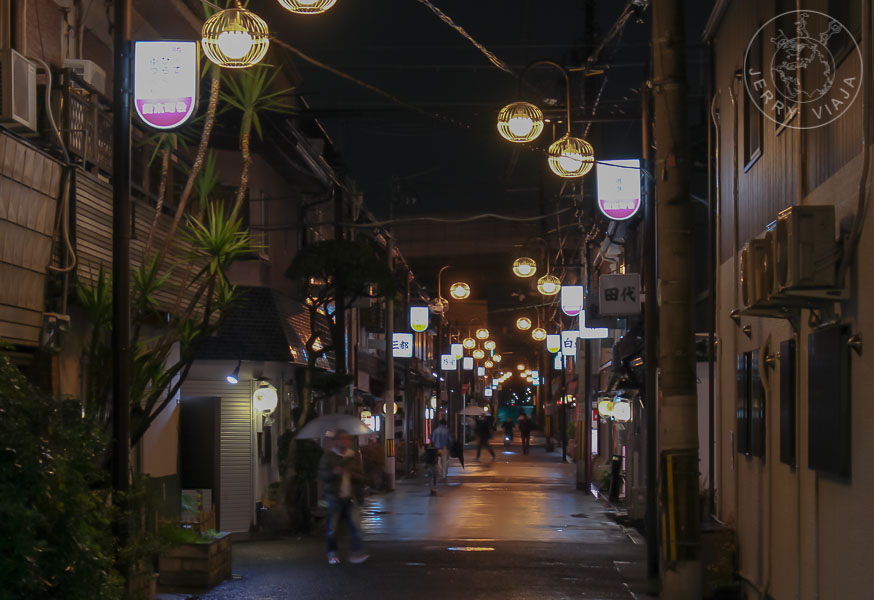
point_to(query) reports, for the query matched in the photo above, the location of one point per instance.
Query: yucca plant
(250, 92)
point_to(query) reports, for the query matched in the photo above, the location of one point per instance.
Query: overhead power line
(448, 20)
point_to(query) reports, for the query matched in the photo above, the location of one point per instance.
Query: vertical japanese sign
(619, 188)
(569, 342)
(402, 345)
(619, 295)
(165, 82)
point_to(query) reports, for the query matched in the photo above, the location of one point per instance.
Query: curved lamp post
(521, 122)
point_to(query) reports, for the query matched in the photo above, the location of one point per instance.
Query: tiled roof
(263, 326)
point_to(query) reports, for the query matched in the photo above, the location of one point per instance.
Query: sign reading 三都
(619, 188)
(165, 82)
(619, 295)
(402, 345)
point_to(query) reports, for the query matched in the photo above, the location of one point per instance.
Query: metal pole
(678, 408)
(390, 376)
(340, 316)
(651, 328)
(121, 225)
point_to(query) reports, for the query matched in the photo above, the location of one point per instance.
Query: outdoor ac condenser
(89, 72)
(805, 249)
(17, 91)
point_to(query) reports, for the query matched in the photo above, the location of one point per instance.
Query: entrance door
(199, 426)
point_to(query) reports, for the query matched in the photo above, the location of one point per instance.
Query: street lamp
(482, 333)
(520, 122)
(549, 285)
(569, 157)
(538, 334)
(469, 343)
(490, 345)
(524, 267)
(479, 354)
(523, 323)
(488, 364)
(235, 38)
(307, 7)
(497, 358)
(459, 290)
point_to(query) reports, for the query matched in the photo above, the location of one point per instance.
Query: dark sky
(457, 163)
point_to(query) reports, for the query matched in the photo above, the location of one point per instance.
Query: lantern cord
(366, 85)
(488, 54)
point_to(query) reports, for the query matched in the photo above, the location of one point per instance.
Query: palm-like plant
(249, 91)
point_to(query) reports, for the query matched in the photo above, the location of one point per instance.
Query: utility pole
(651, 340)
(678, 418)
(340, 314)
(390, 375)
(121, 226)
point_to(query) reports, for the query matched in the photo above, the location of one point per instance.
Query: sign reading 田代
(619, 295)
(165, 82)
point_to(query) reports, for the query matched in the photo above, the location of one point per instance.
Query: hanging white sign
(467, 363)
(402, 345)
(619, 294)
(419, 318)
(591, 333)
(619, 188)
(571, 299)
(553, 342)
(166, 75)
(569, 342)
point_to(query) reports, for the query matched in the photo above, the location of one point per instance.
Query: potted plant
(195, 559)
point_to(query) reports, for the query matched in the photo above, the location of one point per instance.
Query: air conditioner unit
(89, 72)
(17, 91)
(805, 249)
(752, 273)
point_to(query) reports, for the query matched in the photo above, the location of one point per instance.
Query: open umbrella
(320, 426)
(473, 411)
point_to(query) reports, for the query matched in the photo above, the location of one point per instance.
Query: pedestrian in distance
(508, 432)
(342, 476)
(483, 431)
(525, 427)
(440, 440)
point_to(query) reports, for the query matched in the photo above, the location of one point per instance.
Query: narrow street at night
(513, 529)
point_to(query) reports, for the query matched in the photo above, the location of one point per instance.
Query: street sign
(448, 362)
(166, 76)
(402, 345)
(619, 188)
(569, 342)
(619, 295)
(467, 363)
(591, 333)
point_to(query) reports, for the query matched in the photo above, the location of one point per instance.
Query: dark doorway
(199, 426)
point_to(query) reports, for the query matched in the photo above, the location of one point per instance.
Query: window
(829, 426)
(750, 406)
(743, 403)
(752, 116)
(848, 14)
(787, 402)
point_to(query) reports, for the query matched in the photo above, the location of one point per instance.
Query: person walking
(342, 476)
(525, 427)
(483, 431)
(440, 440)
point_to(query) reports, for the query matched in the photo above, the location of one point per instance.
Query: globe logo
(791, 69)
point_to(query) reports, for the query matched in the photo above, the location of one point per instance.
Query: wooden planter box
(143, 583)
(197, 565)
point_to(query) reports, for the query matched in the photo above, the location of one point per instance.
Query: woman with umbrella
(343, 478)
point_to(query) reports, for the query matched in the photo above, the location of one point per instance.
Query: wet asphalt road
(514, 529)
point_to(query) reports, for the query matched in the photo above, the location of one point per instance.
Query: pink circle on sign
(619, 213)
(164, 112)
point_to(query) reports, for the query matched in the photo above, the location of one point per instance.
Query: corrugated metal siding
(94, 237)
(236, 469)
(29, 188)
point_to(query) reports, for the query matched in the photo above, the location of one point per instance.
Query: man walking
(483, 431)
(440, 440)
(343, 479)
(525, 427)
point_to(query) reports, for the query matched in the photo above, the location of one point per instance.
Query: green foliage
(248, 90)
(216, 242)
(55, 528)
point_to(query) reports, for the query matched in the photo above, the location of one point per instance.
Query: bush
(55, 523)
